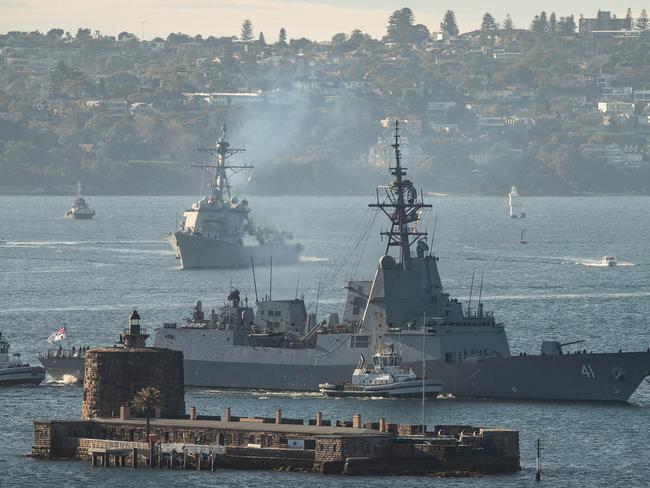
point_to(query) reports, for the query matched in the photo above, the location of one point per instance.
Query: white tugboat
(385, 377)
(609, 261)
(13, 371)
(80, 209)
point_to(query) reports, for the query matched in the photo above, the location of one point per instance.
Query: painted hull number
(587, 371)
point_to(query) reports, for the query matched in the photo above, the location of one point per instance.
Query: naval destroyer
(282, 347)
(218, 232)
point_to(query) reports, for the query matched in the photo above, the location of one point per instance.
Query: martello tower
(114, 374)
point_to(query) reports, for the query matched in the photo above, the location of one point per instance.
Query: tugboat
(609, 261)
(80, 209)
(384, 378)
(13, 371)
(217, 231)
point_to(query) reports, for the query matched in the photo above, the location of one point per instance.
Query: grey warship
(279, 346)
(218, 232)
(405, 305)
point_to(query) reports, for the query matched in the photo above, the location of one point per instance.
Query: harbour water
(89, 274)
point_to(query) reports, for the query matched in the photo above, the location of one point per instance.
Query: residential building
(604, 21)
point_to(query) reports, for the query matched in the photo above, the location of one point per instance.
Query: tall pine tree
(642, 21)
(246, 31)
(567, 25)
(552, 23)
(488, 23)
(449, 24)
(261, 40)
(508, 24)
(282, 38)
(543, 22)
(400, 24)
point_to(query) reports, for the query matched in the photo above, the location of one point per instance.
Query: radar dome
(386, 262)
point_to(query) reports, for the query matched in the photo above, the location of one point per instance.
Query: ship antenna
(254, 281)
(271, 278)
(480, 294)
(433, 232)
(297, 285)
(469, 304)
(317, 299)
(424, 367)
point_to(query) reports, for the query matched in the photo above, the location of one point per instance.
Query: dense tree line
(309, 143)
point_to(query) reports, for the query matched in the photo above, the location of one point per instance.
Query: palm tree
(145, 401)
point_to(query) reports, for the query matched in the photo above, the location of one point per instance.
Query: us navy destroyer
(218, 232)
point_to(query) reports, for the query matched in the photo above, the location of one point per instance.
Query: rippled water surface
(88, 274)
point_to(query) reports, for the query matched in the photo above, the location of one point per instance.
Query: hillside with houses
(560, 106)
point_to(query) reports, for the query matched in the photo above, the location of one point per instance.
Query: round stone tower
(114, 374)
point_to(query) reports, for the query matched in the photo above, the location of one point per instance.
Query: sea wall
(290, 444)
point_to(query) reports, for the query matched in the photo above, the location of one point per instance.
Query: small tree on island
(145, 401)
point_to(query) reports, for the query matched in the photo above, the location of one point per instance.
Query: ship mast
(401, 206)
(222, 152)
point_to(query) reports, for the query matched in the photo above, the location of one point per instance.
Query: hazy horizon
(315, 19)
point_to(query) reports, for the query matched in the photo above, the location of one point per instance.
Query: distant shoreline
(430, 195)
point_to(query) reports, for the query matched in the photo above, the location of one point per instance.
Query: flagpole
(67, 338)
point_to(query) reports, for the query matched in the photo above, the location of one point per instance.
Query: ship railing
(128, 332)
(64, 353)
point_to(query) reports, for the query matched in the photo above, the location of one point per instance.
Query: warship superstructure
(218, 232)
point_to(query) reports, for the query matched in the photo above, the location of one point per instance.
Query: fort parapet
(280, 443)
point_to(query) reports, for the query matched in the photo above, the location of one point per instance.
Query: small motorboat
(609, 261)
(385, 377)
(15, 372)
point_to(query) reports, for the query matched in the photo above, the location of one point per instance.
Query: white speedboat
(609, 261)
(385, 377)
(13, 371)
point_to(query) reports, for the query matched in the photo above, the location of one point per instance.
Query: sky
(314, 19)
